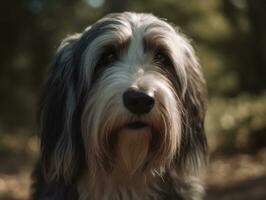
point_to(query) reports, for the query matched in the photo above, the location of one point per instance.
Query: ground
(235, 177)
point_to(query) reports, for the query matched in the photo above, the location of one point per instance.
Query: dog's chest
(107, 189)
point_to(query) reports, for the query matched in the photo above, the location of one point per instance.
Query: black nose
(138, 102)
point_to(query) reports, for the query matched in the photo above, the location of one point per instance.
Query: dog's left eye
(161, 58)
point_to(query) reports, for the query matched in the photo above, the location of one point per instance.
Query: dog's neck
(128, 179)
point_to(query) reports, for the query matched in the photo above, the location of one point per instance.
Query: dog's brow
(121, 44)
(152, 44)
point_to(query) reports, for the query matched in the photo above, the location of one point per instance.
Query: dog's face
(132, 110)
(126, 95)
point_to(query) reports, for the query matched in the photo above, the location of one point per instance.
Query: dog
(122, 115)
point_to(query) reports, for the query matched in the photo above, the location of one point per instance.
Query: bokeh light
(95, 3)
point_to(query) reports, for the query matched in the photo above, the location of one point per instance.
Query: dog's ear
(193, 152)
(61, 144)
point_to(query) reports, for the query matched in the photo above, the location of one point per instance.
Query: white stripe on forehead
(135, 53)
(140, 25)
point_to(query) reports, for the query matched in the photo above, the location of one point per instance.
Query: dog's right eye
(107, 58)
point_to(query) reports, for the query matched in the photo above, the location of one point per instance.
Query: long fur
(87, 149)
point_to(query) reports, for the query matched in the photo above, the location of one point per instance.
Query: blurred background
(230, 40)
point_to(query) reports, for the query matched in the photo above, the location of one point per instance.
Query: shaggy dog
(122, 115)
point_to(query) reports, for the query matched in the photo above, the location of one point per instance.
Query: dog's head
(127, 94)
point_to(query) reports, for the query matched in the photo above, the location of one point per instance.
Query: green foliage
(236, 124)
